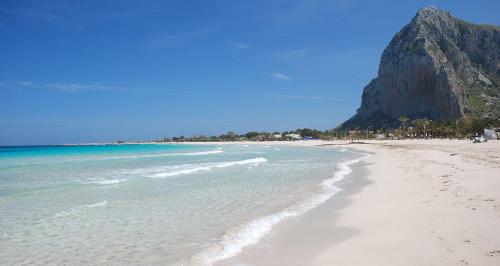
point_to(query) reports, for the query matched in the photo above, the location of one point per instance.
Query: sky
(96, 71)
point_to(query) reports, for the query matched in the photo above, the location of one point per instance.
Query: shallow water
(155, 204)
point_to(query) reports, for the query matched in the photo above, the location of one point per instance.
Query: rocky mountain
(438, 67)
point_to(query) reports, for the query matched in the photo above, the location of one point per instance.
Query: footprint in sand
(494, 253)
(484, 198)
(463, 262)
(466, 241)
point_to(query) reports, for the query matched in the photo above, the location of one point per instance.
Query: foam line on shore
(251, 233)
(206, 167)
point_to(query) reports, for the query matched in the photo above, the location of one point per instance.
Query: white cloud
(99, 87)
(38, 13)
(26, 83)
(69, 87)
(282, 76)
(74, 87)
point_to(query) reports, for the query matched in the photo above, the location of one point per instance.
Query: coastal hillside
(437, 67)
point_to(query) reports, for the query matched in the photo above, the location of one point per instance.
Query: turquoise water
(155, 204)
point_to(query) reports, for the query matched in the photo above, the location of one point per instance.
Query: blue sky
(85, 71)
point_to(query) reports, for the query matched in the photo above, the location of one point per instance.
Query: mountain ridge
(437, 67)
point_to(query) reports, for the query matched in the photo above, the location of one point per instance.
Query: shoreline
(251, 233)
(311, 231)
(435, 197)
(421, 202)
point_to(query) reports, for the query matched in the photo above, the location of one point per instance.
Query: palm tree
(421, 126)
(403, 119)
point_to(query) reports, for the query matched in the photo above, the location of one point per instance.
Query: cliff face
(438, 67)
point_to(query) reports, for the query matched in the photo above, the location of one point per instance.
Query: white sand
(432, 202)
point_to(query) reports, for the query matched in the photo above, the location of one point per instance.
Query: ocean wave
(98, 204)
(109, 181)
(77, 210)
(157, 155)
(234, 241)
(169, 171)
(208, 166)
(123, 157)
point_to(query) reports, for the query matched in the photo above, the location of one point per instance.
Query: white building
(294, 136)
(491, 133)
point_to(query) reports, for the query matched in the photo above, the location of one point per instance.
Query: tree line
(465, 127)
(251, 136)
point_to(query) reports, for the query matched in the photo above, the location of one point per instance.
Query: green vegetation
(475, 100)
(260, 136)
(465, 127)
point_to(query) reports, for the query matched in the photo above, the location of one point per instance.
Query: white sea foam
(64, 214)
(171, 170)
(98, 204)
(219, 150)
(77, 210)
(109, 181)
(205, 167)
(140, 156)
(232, 243)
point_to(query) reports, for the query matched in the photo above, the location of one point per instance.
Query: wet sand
(416, 202)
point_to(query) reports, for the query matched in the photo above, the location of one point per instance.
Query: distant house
(277, 136)
(294, 136)
(491, 133)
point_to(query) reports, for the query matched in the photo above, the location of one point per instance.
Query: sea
(156, 204)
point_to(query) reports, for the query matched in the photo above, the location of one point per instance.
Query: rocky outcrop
(438, 67)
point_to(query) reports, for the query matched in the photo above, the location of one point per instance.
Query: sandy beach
(415, 202)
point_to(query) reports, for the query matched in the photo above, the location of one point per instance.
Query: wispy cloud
(27, 83)
(71, 87)
(239, 45)
(77, 11)
(293, 54)
(177, 38)
(36, 14)
(80, 87)
(275, 96)
(282, 76)
(75, 87)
